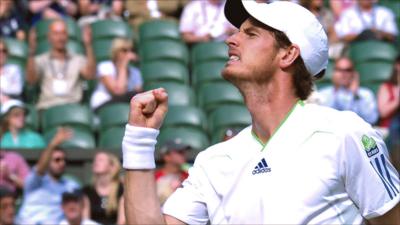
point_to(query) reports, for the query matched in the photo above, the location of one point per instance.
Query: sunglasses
(126, 49)
(347, 70)
(59, 159)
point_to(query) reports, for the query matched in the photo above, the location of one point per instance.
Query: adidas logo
(262, 167)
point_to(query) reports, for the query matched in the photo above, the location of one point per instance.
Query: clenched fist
(148, 109)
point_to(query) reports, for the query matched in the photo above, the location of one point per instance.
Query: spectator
(104, 199)
(7, 206)
(13, 170)
(12, 23)
(170, 176)
(45, 185)
(58, 70)
(13, 132)
(11, 81)
(141, 11)
(118, 80)
(365, 21)
(339, 6)
(388, 96)
(346, 93)
(72, 205)
(204, 21)
(93, 10)
(51, 9)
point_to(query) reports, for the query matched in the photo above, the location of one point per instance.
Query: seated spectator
(51, 9)
(45, 185)
(104, 201)
(72, 206)
(13, 133)
(346, 93)
(92, 10)
(366, 21)
(141, 11)
(7, 206)
(339, 6)
(119, 81)
(13, 170)
(172, 173)
(11, 78)
(12, 23)
(388, 97)
(204, 21)
(58, 71)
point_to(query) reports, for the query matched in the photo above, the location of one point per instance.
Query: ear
(289, 55)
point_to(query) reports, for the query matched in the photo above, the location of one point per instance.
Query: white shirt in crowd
(84, 222)
(11, 80)
(321, 166)
(354, 21)
(107, 68)
(202, 18)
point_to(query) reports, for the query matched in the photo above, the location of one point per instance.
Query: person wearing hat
(172, 173)
(72, 206)
(13, 132)
(297, 163)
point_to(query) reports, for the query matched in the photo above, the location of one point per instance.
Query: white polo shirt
(321, 166)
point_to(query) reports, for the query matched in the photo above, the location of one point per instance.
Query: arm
(190, 38)
(387, 108)
(117, 85)
(31, 75)
(88, 71)
(86, 207)
(62, 135)
(86, 7)
(37, 6)
(121, 212)
(390, 218)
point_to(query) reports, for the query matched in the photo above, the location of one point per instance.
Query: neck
(14, 131)
(171, 168)
(76, 221)
(59, 53)
(103, 181)
(272, 99)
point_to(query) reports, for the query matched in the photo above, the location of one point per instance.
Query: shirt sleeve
(370, 179)
(22, 168)
(389, 23)
(187, 19)
(32, 181)
(188, 202)
(105, 69)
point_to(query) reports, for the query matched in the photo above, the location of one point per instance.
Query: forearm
(388, 109)
(31, 76)
(390, 218)
(122, 80)
(44, 159)
(37, 6)
(142, 205)
(91, 63)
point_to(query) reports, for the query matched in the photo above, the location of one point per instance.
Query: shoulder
(34, 137)
(193, 5)
(11, 68)
(43, 57)
(383, 11)
(364, 91)
(350, 12)
(105, 66)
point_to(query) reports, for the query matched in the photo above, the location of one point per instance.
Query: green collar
(299, 102)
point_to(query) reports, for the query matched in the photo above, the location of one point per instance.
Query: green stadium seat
(373, 86)
(178, 94)
(73, 46)
(113, 115)
(164, 71)
(159, 29)
(102, 49)
(193, 137)
(374, 71)
(73, 115)
(164, 50)
(213, 95)
(185, 116)
(32, 119)
(227, 117)
(82, 139)
(17, 51)
(366, 51)
(106, 29)
(209, 51)
(207, 72)
(42, 28)
(112, 138)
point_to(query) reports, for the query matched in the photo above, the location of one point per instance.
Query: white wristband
(138, 147)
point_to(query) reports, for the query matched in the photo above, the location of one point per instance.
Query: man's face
(252, 54)
(7, 210)
(73, 210)
(57, 164)
(58, 35)
(366, 4)
(343, 74)
(177, 158)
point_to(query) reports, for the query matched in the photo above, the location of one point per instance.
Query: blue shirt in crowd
(42, 199)
(363, 104)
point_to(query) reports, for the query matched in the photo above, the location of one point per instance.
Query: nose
(232, 40)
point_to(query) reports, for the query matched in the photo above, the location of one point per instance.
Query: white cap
(300, 26)
(10, 104)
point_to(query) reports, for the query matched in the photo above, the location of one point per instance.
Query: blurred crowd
(60, 75)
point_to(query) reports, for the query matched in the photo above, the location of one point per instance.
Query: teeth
(234, 58)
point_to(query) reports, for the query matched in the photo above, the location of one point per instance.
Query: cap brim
(235, 12)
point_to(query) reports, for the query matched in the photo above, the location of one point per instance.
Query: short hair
(6, 192)
(302, 79)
